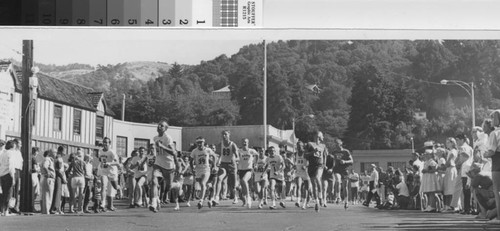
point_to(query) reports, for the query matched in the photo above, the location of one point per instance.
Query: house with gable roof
(65, 113)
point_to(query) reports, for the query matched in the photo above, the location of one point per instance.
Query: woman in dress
(494, 154)
(430, 183)
(451, 175)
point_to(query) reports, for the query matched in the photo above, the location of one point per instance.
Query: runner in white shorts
(275, 164)
(200, 162)
(260, 178)
(302, 177)
(109, 173)
(245, 165)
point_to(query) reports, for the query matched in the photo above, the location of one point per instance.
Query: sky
(282, 20)
(103, 52)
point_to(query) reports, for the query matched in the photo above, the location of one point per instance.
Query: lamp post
(469, 88)
(293, 126)
(412, 145)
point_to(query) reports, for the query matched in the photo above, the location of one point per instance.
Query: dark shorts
(312, 170)
(241, 173)
(212, 177)
(229, 167)
(167, 174)
(327, 176)
(343, 172)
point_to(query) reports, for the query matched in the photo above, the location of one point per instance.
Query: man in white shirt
(403, 193)
(465, 158)
(373, 187)
(165, 164)
(480, 148)
(18, 164)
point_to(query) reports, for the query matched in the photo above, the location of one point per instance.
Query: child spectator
(88, 183)
(403, 193)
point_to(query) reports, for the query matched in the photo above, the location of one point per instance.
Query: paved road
(232, 217)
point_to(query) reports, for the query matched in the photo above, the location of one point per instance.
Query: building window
(57, 118)
(99, 127)
(396, 165)
(121, 146)
(77, 122)
(141, 143)
(365, 166)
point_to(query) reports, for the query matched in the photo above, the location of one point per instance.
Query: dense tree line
(369, 90)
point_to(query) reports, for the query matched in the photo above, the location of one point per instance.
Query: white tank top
(227, 154)
(246, 159)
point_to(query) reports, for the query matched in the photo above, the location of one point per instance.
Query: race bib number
(226, 152)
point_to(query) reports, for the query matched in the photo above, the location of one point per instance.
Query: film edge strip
(137, 13)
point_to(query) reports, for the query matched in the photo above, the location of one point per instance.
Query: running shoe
(297, 204)
(304, 206)
(188, 204)
(282, 204)
(209, 203)
(153, 209)
(260, 205)
(176, 207)
(112, 208)
(131, 206)
(249, 203)
(316, 207)
(272, 207)
(215, 203)
(200, 205)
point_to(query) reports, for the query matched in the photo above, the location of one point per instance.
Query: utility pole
(27, 110)
(123, 108)
(265, 96)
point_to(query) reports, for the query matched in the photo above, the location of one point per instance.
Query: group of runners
(243, 172)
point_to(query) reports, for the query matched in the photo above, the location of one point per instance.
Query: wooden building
(65, 113)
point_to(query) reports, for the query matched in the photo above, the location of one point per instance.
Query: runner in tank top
(275, 165)
(302, 177)
(212, 180)
(260, 178)
(343, 159)
(316, 153)
(165, 163)
(245, 166)
(109, 170)
(200, 162)
(227, 161)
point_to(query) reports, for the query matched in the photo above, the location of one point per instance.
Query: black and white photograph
(200, 133)
(317, 118)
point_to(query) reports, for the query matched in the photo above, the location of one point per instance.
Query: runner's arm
(235, 151)
(349, 160)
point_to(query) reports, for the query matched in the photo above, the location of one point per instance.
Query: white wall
(8, 112)
(142, 131)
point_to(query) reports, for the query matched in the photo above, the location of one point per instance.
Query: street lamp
(469, 88)
(293, 126)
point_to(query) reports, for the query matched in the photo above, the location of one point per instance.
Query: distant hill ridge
(141, 70)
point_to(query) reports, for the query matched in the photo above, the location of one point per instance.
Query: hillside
(141, 70)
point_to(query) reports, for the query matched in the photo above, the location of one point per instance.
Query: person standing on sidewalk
(7, 174)
(373, 187)
(47, 183)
